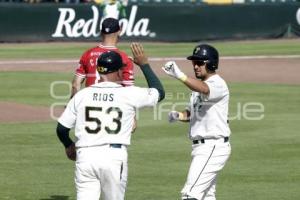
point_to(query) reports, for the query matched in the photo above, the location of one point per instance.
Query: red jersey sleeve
(128, 71)
(81, 70)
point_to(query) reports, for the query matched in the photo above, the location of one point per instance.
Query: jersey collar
(106, 47)
(106, 84)
(212, 77)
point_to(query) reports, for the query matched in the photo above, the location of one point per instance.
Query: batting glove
(173, 116)
(173, 70)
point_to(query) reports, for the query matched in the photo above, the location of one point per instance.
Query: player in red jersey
(87, 65)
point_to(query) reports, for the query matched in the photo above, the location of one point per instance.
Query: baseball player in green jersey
(208, 117)
(103, 117)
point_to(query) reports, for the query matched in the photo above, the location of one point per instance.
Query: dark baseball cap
(110, 25)
(109, 62)
(204, 52)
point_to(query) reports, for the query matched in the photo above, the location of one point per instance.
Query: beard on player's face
(199, 70)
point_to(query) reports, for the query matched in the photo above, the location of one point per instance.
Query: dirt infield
(16, 112)
(279, 70)
(240, 69)
(266, 70)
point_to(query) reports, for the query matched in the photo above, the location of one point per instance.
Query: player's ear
(120, 73)
(209, 71)
(119, 76)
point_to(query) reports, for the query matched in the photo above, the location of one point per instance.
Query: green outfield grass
(265, 153)
(74, 50)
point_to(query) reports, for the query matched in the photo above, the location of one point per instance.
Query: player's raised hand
(139, 56)
(173, 70)
(71, 152)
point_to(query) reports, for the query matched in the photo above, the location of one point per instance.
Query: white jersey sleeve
(142, 97)
(68, 118)
(216, 90)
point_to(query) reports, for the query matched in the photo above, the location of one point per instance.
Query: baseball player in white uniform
(103, 117)
(207, 114)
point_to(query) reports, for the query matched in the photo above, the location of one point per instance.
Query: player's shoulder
(125, 57)
(112, 48)
(94, 48)
(221, 80)
(216, 78)
(122, 53)
(136, 90)
(217, 81)
(130, 88)
(91, 50)
(133, 89)
(83, 92)
(80, 93)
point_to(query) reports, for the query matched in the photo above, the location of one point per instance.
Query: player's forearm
(75, 88)
(63, 135)
(76, 85)
(153, 81)
(196, 85)
(74, 91)
(184, 116)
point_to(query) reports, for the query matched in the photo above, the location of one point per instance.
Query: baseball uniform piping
(121, 171)
(106, 86)
(203, 168)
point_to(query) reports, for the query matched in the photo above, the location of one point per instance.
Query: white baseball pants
(207, 160)
(101, 170)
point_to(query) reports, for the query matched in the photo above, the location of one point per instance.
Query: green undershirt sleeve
(153, 81)
(63, 135)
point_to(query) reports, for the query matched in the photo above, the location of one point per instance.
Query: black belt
(202, 141)
(115, 146)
